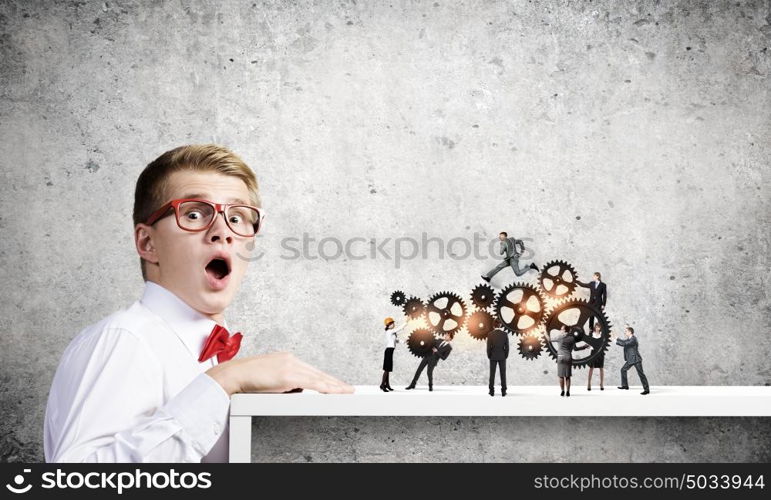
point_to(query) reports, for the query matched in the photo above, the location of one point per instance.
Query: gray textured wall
(627, 137)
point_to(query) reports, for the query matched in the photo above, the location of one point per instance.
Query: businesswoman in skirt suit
(566, 344)
(388, 355)
(598, 362)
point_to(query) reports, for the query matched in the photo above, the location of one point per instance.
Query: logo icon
(19, 481)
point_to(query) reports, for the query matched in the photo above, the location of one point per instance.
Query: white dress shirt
(390, 336)
(130, 389)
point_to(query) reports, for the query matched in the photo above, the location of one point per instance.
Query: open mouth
(218, 268)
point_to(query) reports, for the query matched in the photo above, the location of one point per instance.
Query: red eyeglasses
(195, 215)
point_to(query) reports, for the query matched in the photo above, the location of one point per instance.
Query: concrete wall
(626, 137)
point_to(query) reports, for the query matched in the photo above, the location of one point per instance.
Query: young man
(511, 256)
(440, 350)
(598, 295)
(632, 358)
(152, 383)
(497, 352)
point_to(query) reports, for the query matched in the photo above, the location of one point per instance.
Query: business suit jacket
(509, 248)
(597, 294)
(497, 345)
(631, 353)
(441, 352)
(566, 344)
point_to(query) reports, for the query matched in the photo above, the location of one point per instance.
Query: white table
(520, 401)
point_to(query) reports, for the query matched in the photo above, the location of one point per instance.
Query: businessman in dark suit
(598, 295)
(497, 352)
(440, 350)
(511, 249)
(632, 358)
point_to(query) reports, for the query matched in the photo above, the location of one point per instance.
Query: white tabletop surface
(519, 401)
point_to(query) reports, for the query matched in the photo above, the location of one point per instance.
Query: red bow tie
(221, 343)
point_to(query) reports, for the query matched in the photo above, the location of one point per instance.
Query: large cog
(557, 279)
(420, 342)
(520, 307)
(445, 313)
(575, 314)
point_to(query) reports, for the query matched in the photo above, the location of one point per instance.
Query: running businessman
(511, 255)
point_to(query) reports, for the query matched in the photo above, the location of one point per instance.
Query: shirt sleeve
(404, 325)
(107, 405)
(556, 337)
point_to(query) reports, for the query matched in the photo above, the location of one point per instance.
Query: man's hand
(433, 349)
(275, 372)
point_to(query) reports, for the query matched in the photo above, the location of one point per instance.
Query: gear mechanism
(414, 308)
(558, 279)
(445, 313)
(520, 307)
(398, 298)
(483, 296)
(420, 342)
(529, 347)
(479, 324)
(575, 314)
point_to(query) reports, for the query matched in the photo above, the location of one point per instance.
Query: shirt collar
(192, 327)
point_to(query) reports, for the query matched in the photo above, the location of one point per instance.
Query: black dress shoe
(588, 388)
(503, 394)
(602, 388)
(625, 388)
(533, 266)
(410, 387)
(492, 392)
(567, 394)
(646, 391)
(383, 388)
(389, 388)
(486, 278)
(430, 387)
(562, 393)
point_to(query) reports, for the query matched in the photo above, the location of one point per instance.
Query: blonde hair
(152, 185)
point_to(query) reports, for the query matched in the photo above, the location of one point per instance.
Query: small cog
(398, 298)
(483, 296)
(414, 308)
(529, 347)
(420, 342)
(479, 324)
